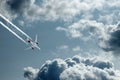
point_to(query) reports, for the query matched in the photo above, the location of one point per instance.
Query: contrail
(15, 26)
(12, 32)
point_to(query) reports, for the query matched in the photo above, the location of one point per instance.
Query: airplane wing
(36, 38)
(38, 47)
(32, 47)
(28, 48)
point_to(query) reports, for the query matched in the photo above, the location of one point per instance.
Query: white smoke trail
(12, 32)
(15, 26)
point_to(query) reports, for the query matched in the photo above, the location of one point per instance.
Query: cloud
(18, 5)
(77, 48)
(84, 29)
(5, 11)
(30, 73)
(63, 47)
(81, 72)
(112, 43)
(67, 10)
(106, 35)
(46, 10)
(77, 68)
(13, 9)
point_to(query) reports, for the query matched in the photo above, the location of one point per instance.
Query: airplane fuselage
(34, 44)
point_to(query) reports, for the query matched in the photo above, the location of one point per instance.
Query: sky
(75, 36)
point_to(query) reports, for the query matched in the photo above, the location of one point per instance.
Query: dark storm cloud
(18, 5)
(113, 42)
(75, 68)
(15, 4)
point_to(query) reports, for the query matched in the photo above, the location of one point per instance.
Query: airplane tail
(36, 41)
(36, 38)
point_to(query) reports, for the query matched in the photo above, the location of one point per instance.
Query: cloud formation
(107, 36)
(30, 73)
(76, 68)
(84, 29)
(112, 43)
(67, 10)
(18, 8)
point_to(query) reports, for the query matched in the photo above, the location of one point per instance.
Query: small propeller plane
(34, 44)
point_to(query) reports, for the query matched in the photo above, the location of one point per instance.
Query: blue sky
(64, 29)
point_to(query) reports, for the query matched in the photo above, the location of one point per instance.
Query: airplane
(34, 44)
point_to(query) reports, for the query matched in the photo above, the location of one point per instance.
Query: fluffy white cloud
(77, 48)
(30, 73)
(85, 29)
(81, 72)
(77, 68)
